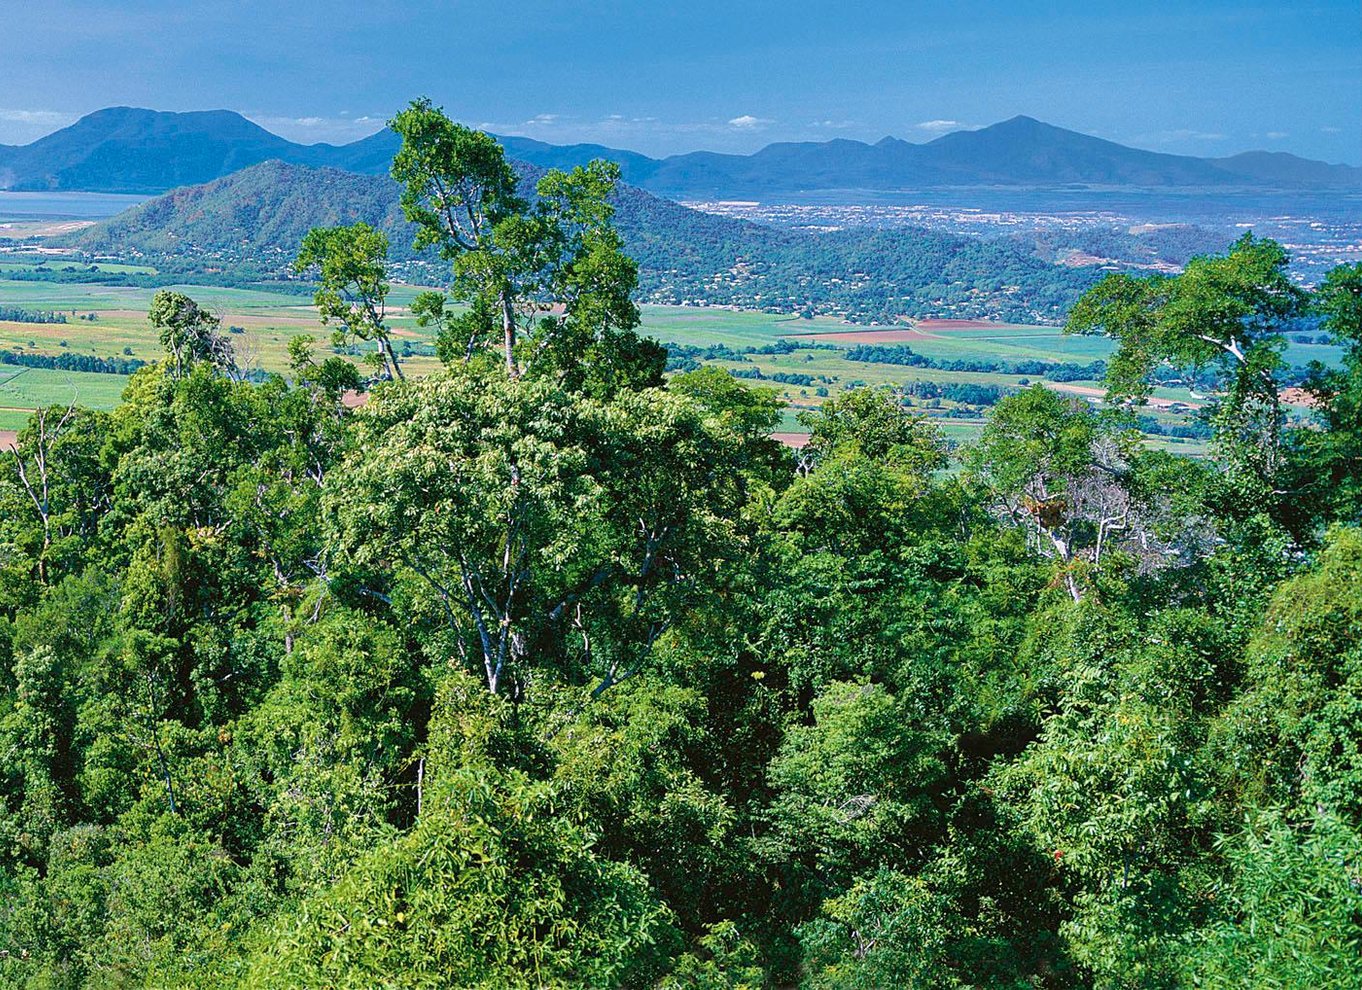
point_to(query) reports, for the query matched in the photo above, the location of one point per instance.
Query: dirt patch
(933, 326)
(1298, 397)
(793, 440)
(1081, 259)
(8, 440)
(1092, 392)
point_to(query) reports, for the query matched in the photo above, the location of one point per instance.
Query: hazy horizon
(378, 125)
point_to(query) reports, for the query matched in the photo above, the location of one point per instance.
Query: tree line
(17, 314)
(73, 362)
(904, 355)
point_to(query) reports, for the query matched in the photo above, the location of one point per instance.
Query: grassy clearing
(26, 389)
(701, 326)
(1299, 355)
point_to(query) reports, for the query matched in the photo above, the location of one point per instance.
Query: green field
(265, 320)
(25, 389)
(703, 326)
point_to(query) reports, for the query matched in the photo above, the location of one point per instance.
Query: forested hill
(125, 149)
(262, 209)
(260, 214)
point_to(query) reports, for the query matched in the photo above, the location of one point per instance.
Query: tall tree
(553, 530)
(460, 192)
(553, 270)
(58, 488)
(1328, 461)
(589, 341)
(1223, 312)
(189, 333)
(1033, 452)
(352, 290)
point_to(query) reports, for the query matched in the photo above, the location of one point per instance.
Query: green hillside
(254, 220)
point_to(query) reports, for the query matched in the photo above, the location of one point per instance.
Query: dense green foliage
(902, 354)
(17, 314)
(352, 289)
(542, 671)
(72, 362)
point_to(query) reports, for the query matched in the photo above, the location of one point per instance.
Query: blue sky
(1205, 77)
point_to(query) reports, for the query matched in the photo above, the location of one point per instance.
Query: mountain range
(124, 149)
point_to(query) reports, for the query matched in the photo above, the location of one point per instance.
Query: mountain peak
(1022, 125)
(124, 116)
(131, 149)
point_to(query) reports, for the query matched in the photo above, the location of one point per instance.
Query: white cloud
(1177, 135)
(53, 118)
(543, 120)
(1276, 135)
(23, 126)
(310, 130)
(747, 122)
(945, 126)
(1332, 130)
(832, 125)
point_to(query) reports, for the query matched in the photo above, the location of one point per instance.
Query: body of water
(64, 205)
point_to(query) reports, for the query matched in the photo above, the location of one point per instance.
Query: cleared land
(110, 322)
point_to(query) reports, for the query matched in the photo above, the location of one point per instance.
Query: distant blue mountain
(1017, 152)
(635, 168)
(123, 149)
(129, 150)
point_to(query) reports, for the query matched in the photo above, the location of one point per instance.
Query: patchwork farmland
(803, 360)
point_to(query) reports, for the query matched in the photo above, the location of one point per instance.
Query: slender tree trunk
(1074, 592)
(508, 329)
(392, 357)
(154, 731)
(165, 772)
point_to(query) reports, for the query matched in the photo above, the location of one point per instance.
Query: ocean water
(64, 205)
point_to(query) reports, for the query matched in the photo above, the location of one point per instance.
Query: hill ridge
(255, 219)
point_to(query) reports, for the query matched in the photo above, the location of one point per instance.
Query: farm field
(24, 389)
(110, 322)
